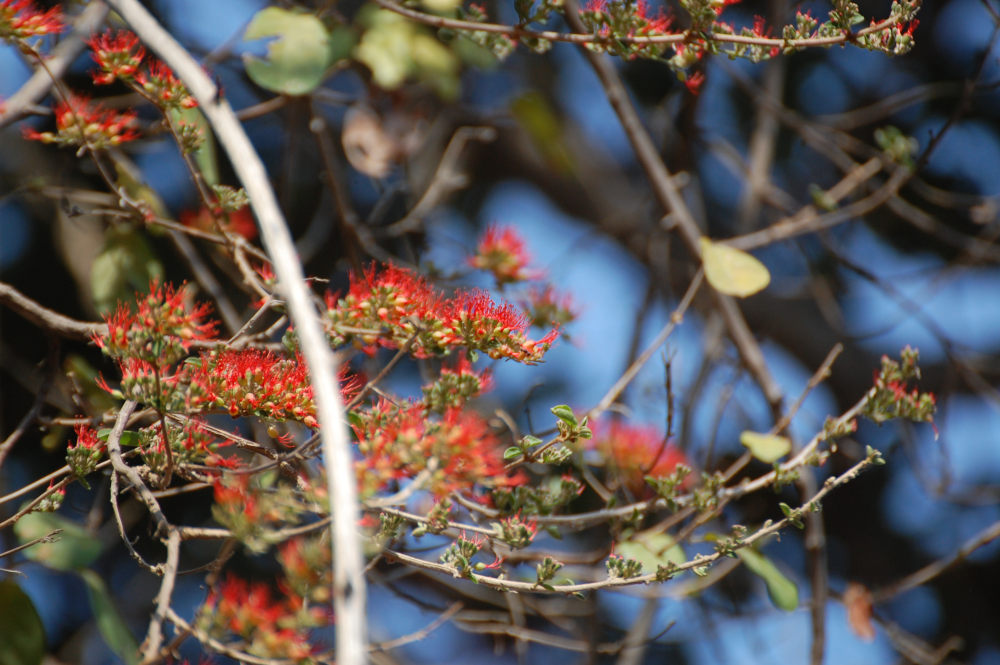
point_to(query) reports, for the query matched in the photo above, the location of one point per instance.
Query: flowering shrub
(447, 480)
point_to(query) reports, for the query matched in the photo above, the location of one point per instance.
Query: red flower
(401, 441)
(118, 54)
(161, 83)
(635, 452)
(720, 5)
(501, 251)
(693, 82)
(240, 221)
(80, 123)
(654, 25)
(546, 308)
(401, 308)
(20, 19)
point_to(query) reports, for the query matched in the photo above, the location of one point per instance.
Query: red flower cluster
(120, 56)
(501, 251)
(394, 307)
(82, 123)
(83, 456)
(546, 308)
(240, 222)
(21, 19)
(253, 382)
(633, 20)
(401, 441)
(271, 627)
(190, 442)
(161, 329)
(636, 452)
(455, 386)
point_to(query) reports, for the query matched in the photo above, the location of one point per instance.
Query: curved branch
(348, 574)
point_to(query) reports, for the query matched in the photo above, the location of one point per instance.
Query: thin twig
(932, 570)
(583, 38)
(154, 636)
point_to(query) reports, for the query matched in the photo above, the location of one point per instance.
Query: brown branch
(46, 318)
(932, 570)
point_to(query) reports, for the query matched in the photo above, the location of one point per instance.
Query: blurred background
(920, 269)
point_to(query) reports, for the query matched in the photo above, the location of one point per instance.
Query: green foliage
(298, 57)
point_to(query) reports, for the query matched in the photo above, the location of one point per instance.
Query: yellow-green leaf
(768, 448)
(297, 59)
(782, 591)
(733, 271)
(651, 550)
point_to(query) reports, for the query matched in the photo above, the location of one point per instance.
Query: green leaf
(783, 592)
(73, 549)
(733, 271)
(125, 265)
(205, 156)
(109, 622)
(565, 414)
(544, 127)
(652, 551)
(768, 448)
(511, 453)
(129, 439)
(22, 635)
(297, 59)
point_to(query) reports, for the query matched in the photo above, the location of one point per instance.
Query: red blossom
(393, 308)
(251, 611)
(720, 5)
(118, 55)
(693, 82)
(161, 83)
(546, 307)
(654, 25)
(634, 452)
(240, 222)
(501, 251)
(86, 438)
(82, 123)
(399, 442)
(21, 19)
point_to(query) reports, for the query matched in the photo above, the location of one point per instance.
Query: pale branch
(348, 566)
(583, 38)
(154, 636)
(609, 582)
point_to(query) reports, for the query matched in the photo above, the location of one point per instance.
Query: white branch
(348, 568)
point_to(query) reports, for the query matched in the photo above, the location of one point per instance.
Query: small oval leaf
(652, 551)
(22, 635)
(565, 414)
(768, 448)
(732, 271)
(297, 59)
(783, 592)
